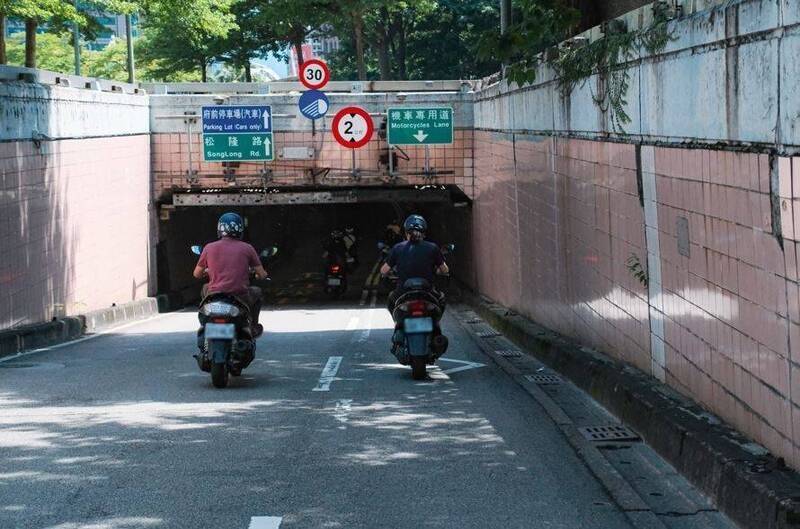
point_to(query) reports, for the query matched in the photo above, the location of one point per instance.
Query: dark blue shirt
(419, 259)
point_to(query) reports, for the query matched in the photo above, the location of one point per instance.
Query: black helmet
(230, 225)
(415, 223)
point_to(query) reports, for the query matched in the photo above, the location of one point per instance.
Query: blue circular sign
(313, 104)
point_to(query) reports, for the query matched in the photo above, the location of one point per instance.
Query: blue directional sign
(313, 104)
(237, 119)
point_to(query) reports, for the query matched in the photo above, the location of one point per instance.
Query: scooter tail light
(335, 269)
(219, 320)
(417, 308)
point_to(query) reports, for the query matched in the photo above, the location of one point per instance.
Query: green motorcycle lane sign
(419, 125)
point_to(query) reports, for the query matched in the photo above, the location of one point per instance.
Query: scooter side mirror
(269, 252)
(197, 249)
(448, 248)
(382, 246)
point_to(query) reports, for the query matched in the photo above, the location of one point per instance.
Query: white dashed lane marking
(328, 374)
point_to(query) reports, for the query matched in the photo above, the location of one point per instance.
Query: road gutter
(756, 491)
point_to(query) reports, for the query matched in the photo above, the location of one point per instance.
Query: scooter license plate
(418, 325)
(334, 281)
(220, 331)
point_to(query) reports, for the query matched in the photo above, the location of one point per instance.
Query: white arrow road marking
(328, 374)
(265, 522)
(420, 136)
(342, 410)
(465, 364)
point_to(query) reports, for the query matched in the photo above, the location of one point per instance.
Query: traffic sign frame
(352, 110)
(326, 74)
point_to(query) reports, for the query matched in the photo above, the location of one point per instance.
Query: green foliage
(181, 35)
(537, 25)
(421, 39)
(40, 10)
(53, 52)
(637, 270)
(608, 57)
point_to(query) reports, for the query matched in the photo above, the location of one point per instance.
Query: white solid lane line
(265, 522)
(352, 324)
(328, 373)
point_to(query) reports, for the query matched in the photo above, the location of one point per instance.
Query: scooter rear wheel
(418, 367)
(219, 375)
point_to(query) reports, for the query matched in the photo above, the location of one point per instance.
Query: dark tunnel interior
(299, 232)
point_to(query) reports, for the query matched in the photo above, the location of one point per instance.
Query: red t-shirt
(228, 262)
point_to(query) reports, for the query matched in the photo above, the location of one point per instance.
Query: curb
(14, 341)
(749, 485)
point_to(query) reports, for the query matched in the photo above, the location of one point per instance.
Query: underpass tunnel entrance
(301, 229)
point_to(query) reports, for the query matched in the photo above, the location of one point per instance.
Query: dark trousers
(252, 299)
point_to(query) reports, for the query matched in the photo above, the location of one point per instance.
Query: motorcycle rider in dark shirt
(415, 258)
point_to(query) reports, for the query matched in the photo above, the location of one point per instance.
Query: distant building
(319, 45)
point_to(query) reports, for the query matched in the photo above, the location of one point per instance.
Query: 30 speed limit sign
(314, 74)
(352, 127)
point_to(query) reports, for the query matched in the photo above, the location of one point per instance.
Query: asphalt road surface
(122, 431)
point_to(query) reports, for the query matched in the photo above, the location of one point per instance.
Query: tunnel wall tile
(74, 226)
(559, 228)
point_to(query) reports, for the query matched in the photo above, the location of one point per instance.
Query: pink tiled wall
(74, 226)
(558, 223)
(555, 224)
(170, 162)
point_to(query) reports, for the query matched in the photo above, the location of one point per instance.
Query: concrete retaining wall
(568, 209)
(702, 88)
(74, 207)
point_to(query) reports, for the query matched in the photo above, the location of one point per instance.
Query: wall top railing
(278, 87)
(45, 77)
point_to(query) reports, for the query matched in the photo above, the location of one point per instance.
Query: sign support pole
(355, 171)
(190, 172)
(391, 162)
(427, 162)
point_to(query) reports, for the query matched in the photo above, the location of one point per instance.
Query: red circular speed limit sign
(352, 127)
(314, 74)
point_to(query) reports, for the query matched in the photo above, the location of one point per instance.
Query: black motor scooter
(225, 339)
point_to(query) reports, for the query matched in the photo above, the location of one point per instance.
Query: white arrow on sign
(420, 136)
(465, 364)
(266, 120)
(267, 144)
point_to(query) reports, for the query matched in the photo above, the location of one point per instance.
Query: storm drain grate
(508, 353)
(544, 379)
(614, 432)
(487, 334)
